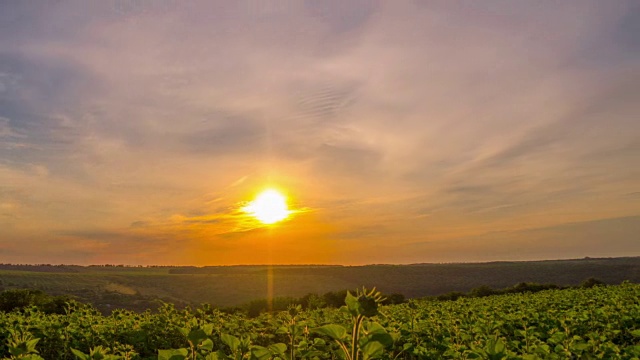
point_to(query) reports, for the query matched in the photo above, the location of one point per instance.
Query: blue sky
(409, 131)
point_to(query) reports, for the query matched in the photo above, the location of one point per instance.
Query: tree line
(21, 299)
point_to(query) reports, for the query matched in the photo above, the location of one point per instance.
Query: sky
(134, 132)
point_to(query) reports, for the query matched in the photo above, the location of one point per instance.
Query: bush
(312, 301)
(335, 299)
(454, 295)
(591, 282)
(394, 299)
(524, 287)
(482, 291)
(11, 300)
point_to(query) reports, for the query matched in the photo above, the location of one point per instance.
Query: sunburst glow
(269, 207)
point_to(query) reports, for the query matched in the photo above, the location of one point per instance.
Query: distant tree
(531, 287)
(255, 307)
(312, 301)
(483, 291)
(259, 306)
(335, 299)
(454, 295)
(11, 300)
(393, 299)
(282, 303)
(58, 305)
(19, 299)
(591, 282)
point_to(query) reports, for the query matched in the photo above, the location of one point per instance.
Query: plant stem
(355, 337)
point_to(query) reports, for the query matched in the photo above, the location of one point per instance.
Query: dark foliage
(11, 300)
(591, 282)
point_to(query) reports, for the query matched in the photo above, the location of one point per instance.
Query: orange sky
(401, 132)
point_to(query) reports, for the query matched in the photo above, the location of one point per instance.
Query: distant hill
(138, 288)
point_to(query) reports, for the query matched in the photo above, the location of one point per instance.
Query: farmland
(139, 288)
(598, 322)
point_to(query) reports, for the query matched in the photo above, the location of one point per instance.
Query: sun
(269, 207)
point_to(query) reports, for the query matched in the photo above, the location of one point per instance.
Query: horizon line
(320, 265)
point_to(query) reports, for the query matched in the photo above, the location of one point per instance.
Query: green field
(602, 322)
(138, 288)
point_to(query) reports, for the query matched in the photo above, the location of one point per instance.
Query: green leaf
(31, 357)
(373, 327)
(231, 341)
(207, 345)
(31, 345)
(196, 336)
(260, 353)
(309, 354)
(215, 356)
(353, 306)
(208, 329)
(278, 349)
(372, 350)
(557, 338)
(580, 346)
(245, 342)
(333, 331)
(375, 332)
(17, 350)
(98, 353)
(383, 338)
(495, 348)
(173, 354)
(79, 354)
